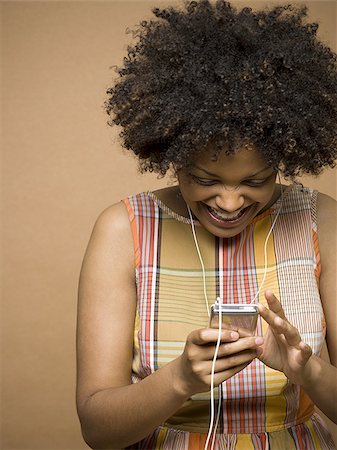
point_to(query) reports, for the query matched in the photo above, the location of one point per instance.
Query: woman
(225, 99)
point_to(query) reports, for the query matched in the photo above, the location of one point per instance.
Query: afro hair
(209, 73)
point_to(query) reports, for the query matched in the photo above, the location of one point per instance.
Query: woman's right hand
(193, 367)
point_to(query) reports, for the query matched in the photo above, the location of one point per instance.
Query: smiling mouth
(227, 217)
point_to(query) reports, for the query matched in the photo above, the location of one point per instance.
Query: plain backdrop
(62, 165)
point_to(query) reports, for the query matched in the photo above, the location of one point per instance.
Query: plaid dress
(260, 408)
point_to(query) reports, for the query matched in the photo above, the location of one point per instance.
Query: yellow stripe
(281, 440)
(136, 360)
(313, 435)
(260, 235)
(176, 234)
(275, 382)
(161, 438)
(244, 442)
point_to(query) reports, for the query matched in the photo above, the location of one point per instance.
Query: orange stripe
(305, 406)
(196, 441)
(134, 232)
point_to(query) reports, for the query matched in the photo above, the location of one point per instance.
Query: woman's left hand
(283, 348)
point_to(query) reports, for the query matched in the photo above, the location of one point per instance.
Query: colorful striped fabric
(260, 409)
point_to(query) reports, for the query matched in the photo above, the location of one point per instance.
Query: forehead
(243, 162)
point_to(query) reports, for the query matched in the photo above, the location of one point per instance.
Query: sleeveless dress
(260, 408)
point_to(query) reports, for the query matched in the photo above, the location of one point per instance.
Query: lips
(227, 220)
(226, 216)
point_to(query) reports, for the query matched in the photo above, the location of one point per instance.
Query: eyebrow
(216, 176)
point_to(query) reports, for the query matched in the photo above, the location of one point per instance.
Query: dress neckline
(186, 220)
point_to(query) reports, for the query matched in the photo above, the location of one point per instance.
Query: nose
(229, 201)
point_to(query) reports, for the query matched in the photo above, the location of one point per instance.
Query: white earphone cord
(210, 430)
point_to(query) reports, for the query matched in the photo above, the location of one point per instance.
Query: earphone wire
(265, 255)
(200, 259)
(210, 430)
(216, 351)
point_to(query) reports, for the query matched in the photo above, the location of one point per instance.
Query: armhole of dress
(313, 212)
(134, 231)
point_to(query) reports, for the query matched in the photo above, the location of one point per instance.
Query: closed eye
(211, 182)
(203, 181)
(257, 183)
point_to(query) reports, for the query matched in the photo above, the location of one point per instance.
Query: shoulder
(325, 198)
(111, 239)
(114, 218)
(326, 213)
(326, 228)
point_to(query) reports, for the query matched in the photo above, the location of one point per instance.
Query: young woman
(227, 100)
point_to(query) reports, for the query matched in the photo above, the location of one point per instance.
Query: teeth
(225, 216)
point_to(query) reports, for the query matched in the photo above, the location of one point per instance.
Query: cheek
(266, 194)
(199, 194)
(191, 191)
(260, 195)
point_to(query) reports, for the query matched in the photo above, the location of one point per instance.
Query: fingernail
(234, 335)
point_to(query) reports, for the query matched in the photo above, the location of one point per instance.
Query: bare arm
(324, 394)
(113, 412)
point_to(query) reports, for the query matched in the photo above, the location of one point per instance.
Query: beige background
(61, 166)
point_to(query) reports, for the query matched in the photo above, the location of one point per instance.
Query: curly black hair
(209, 73)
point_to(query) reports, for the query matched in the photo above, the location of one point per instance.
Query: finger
(250, 343)
(274, 304)
(268, 314)
(304, 355)
(280, 326)
(220, 377)
(206, 336)
(232, 361)
(206, 352)
(290, 332)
